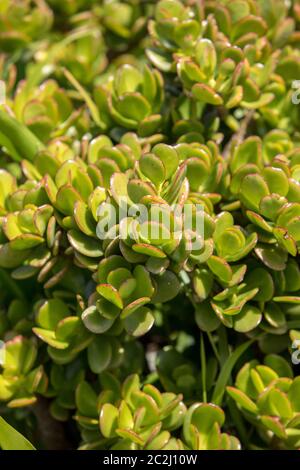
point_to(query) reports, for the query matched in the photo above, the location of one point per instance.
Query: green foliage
(269, 396)
(10, 439)
(119, 316)
(132, 417)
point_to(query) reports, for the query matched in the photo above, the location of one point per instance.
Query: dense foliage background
(133, 342)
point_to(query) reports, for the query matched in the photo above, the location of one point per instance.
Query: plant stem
(203, 367)
(238, 422)
(212, 343)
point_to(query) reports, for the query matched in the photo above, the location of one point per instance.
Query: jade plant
(137, 418)
(269, 396)
(150, 224)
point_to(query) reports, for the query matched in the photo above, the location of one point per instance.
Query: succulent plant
(133, 98)
(63, 380)
(269, 190)
(11, 439)
(210, 57)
